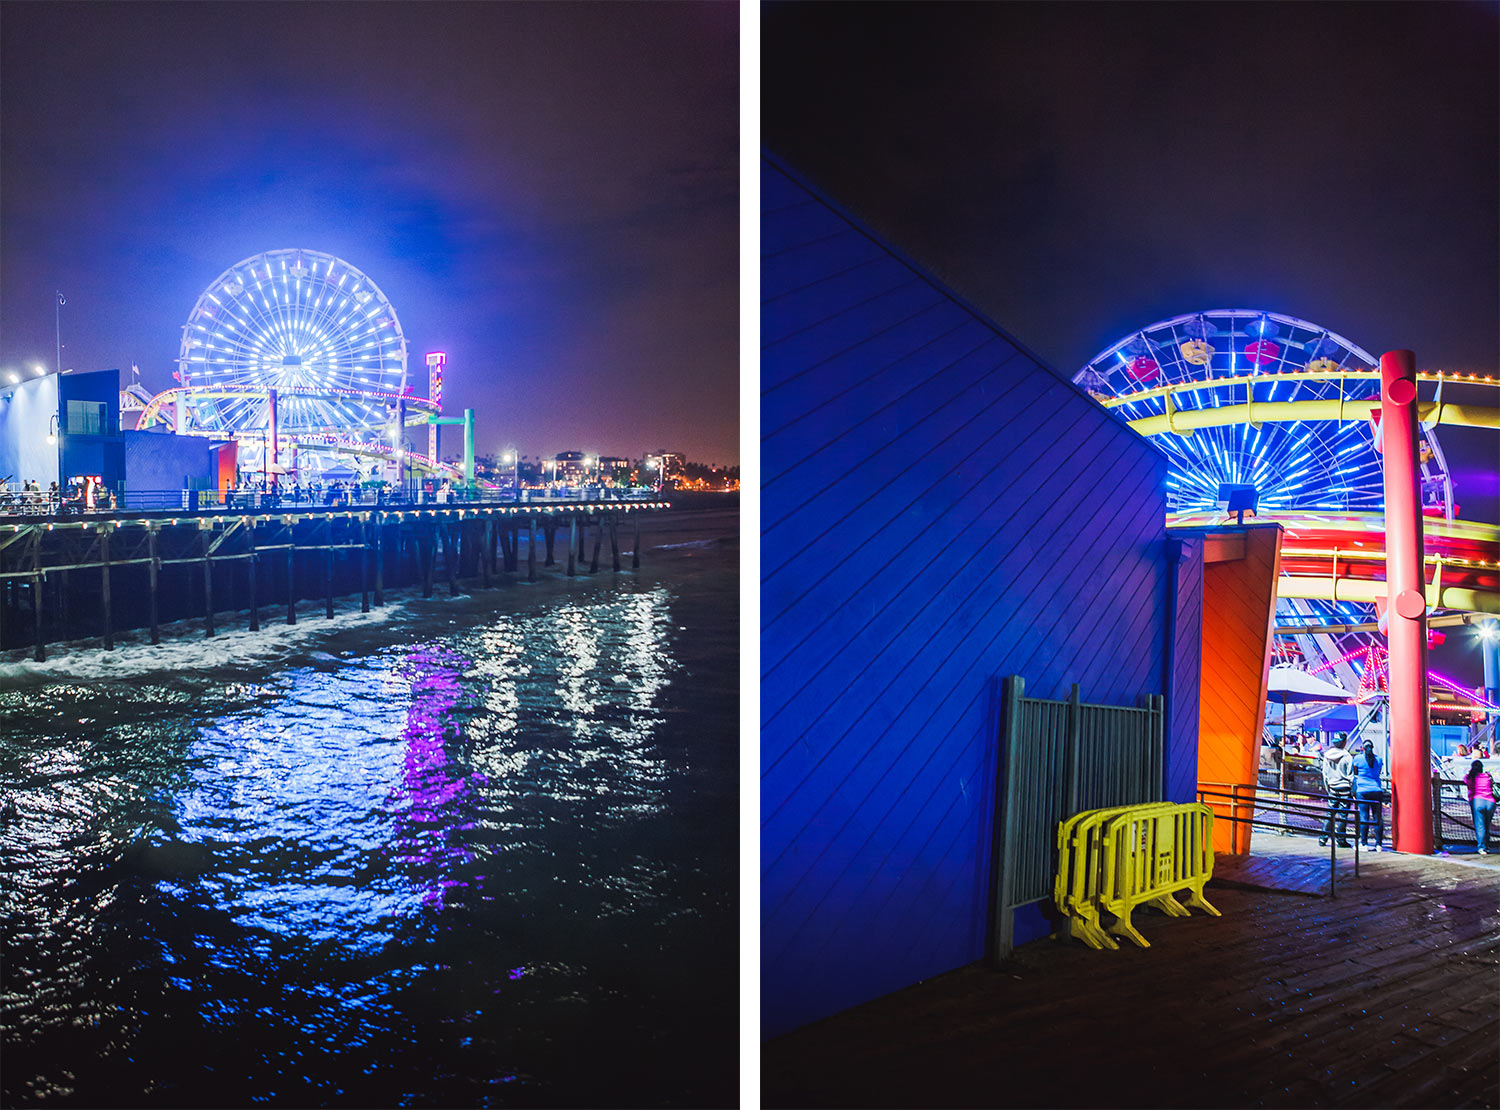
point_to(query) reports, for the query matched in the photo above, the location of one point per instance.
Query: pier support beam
(36, 592)
(291, 573)
(380, 561)
(549, 534)
(598, 541)
(487, 551)
(614, 541)
(450, 558)
(109, 613)
(426, 549)
(328, 568)
(502, 544)
(572, 544)
(635, 555)
(531, 549)
(364, 566)
(153, 570)
(254, 596)
(205, 538)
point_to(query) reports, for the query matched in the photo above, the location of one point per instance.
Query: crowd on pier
(84, 496)
(1351, 777)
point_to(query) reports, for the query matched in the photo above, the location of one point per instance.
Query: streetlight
(38, 369)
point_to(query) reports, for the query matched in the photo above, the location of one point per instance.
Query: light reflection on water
(468, 839)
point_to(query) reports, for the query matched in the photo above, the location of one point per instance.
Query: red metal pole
(1406, 609)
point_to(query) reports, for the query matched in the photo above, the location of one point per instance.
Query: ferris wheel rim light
(1240, 379)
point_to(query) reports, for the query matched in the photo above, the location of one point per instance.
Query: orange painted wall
(1239, 608)
(228, 464)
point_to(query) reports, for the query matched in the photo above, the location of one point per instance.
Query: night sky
(548, 193)
(1079, 171)
(1082, 170)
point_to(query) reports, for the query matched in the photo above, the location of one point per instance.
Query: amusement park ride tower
(1344, 455)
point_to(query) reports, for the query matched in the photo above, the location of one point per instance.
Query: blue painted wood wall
(939, 510)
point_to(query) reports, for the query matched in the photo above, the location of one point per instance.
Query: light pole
(57, 312)
(514, 456)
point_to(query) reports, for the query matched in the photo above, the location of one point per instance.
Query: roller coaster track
(419, 408)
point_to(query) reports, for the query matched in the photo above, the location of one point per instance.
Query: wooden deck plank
(1382, 997)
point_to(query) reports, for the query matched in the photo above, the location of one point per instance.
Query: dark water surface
(474, 851)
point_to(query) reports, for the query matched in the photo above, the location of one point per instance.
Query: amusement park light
(14, 377)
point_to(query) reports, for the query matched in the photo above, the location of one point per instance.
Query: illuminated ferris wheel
(305, 324)
(1247, 361)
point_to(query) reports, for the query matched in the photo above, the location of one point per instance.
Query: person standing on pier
(1371, 796)
(1338, 780)
(1481, 803)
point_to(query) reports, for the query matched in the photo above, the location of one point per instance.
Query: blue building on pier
(940, 509)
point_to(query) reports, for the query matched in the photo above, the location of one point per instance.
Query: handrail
(1289, 808)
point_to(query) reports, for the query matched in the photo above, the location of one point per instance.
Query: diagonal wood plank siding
(939, 509)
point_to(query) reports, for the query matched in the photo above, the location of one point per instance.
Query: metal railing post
(1003, 838)
(1332, 859)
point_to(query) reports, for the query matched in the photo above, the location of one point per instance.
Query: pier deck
(1383, 996)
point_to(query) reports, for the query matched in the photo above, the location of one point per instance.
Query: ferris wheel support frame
(1406, 606)
(467, 423)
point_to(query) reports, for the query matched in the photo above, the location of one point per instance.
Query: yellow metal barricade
(1083, 872)
(1113, 860)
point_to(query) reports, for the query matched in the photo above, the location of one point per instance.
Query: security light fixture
(1238, 499)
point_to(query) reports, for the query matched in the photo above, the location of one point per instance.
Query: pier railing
(20, 504)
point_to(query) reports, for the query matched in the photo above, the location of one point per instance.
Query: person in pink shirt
(1481, 803)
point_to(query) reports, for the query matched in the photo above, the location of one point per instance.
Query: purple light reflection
(429, 833)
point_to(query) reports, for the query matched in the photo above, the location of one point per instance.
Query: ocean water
(478, 851)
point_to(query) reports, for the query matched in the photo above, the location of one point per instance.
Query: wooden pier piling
(204, 540)
(254, 598)
(109, 609)
(153, 570)
(479, 545)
